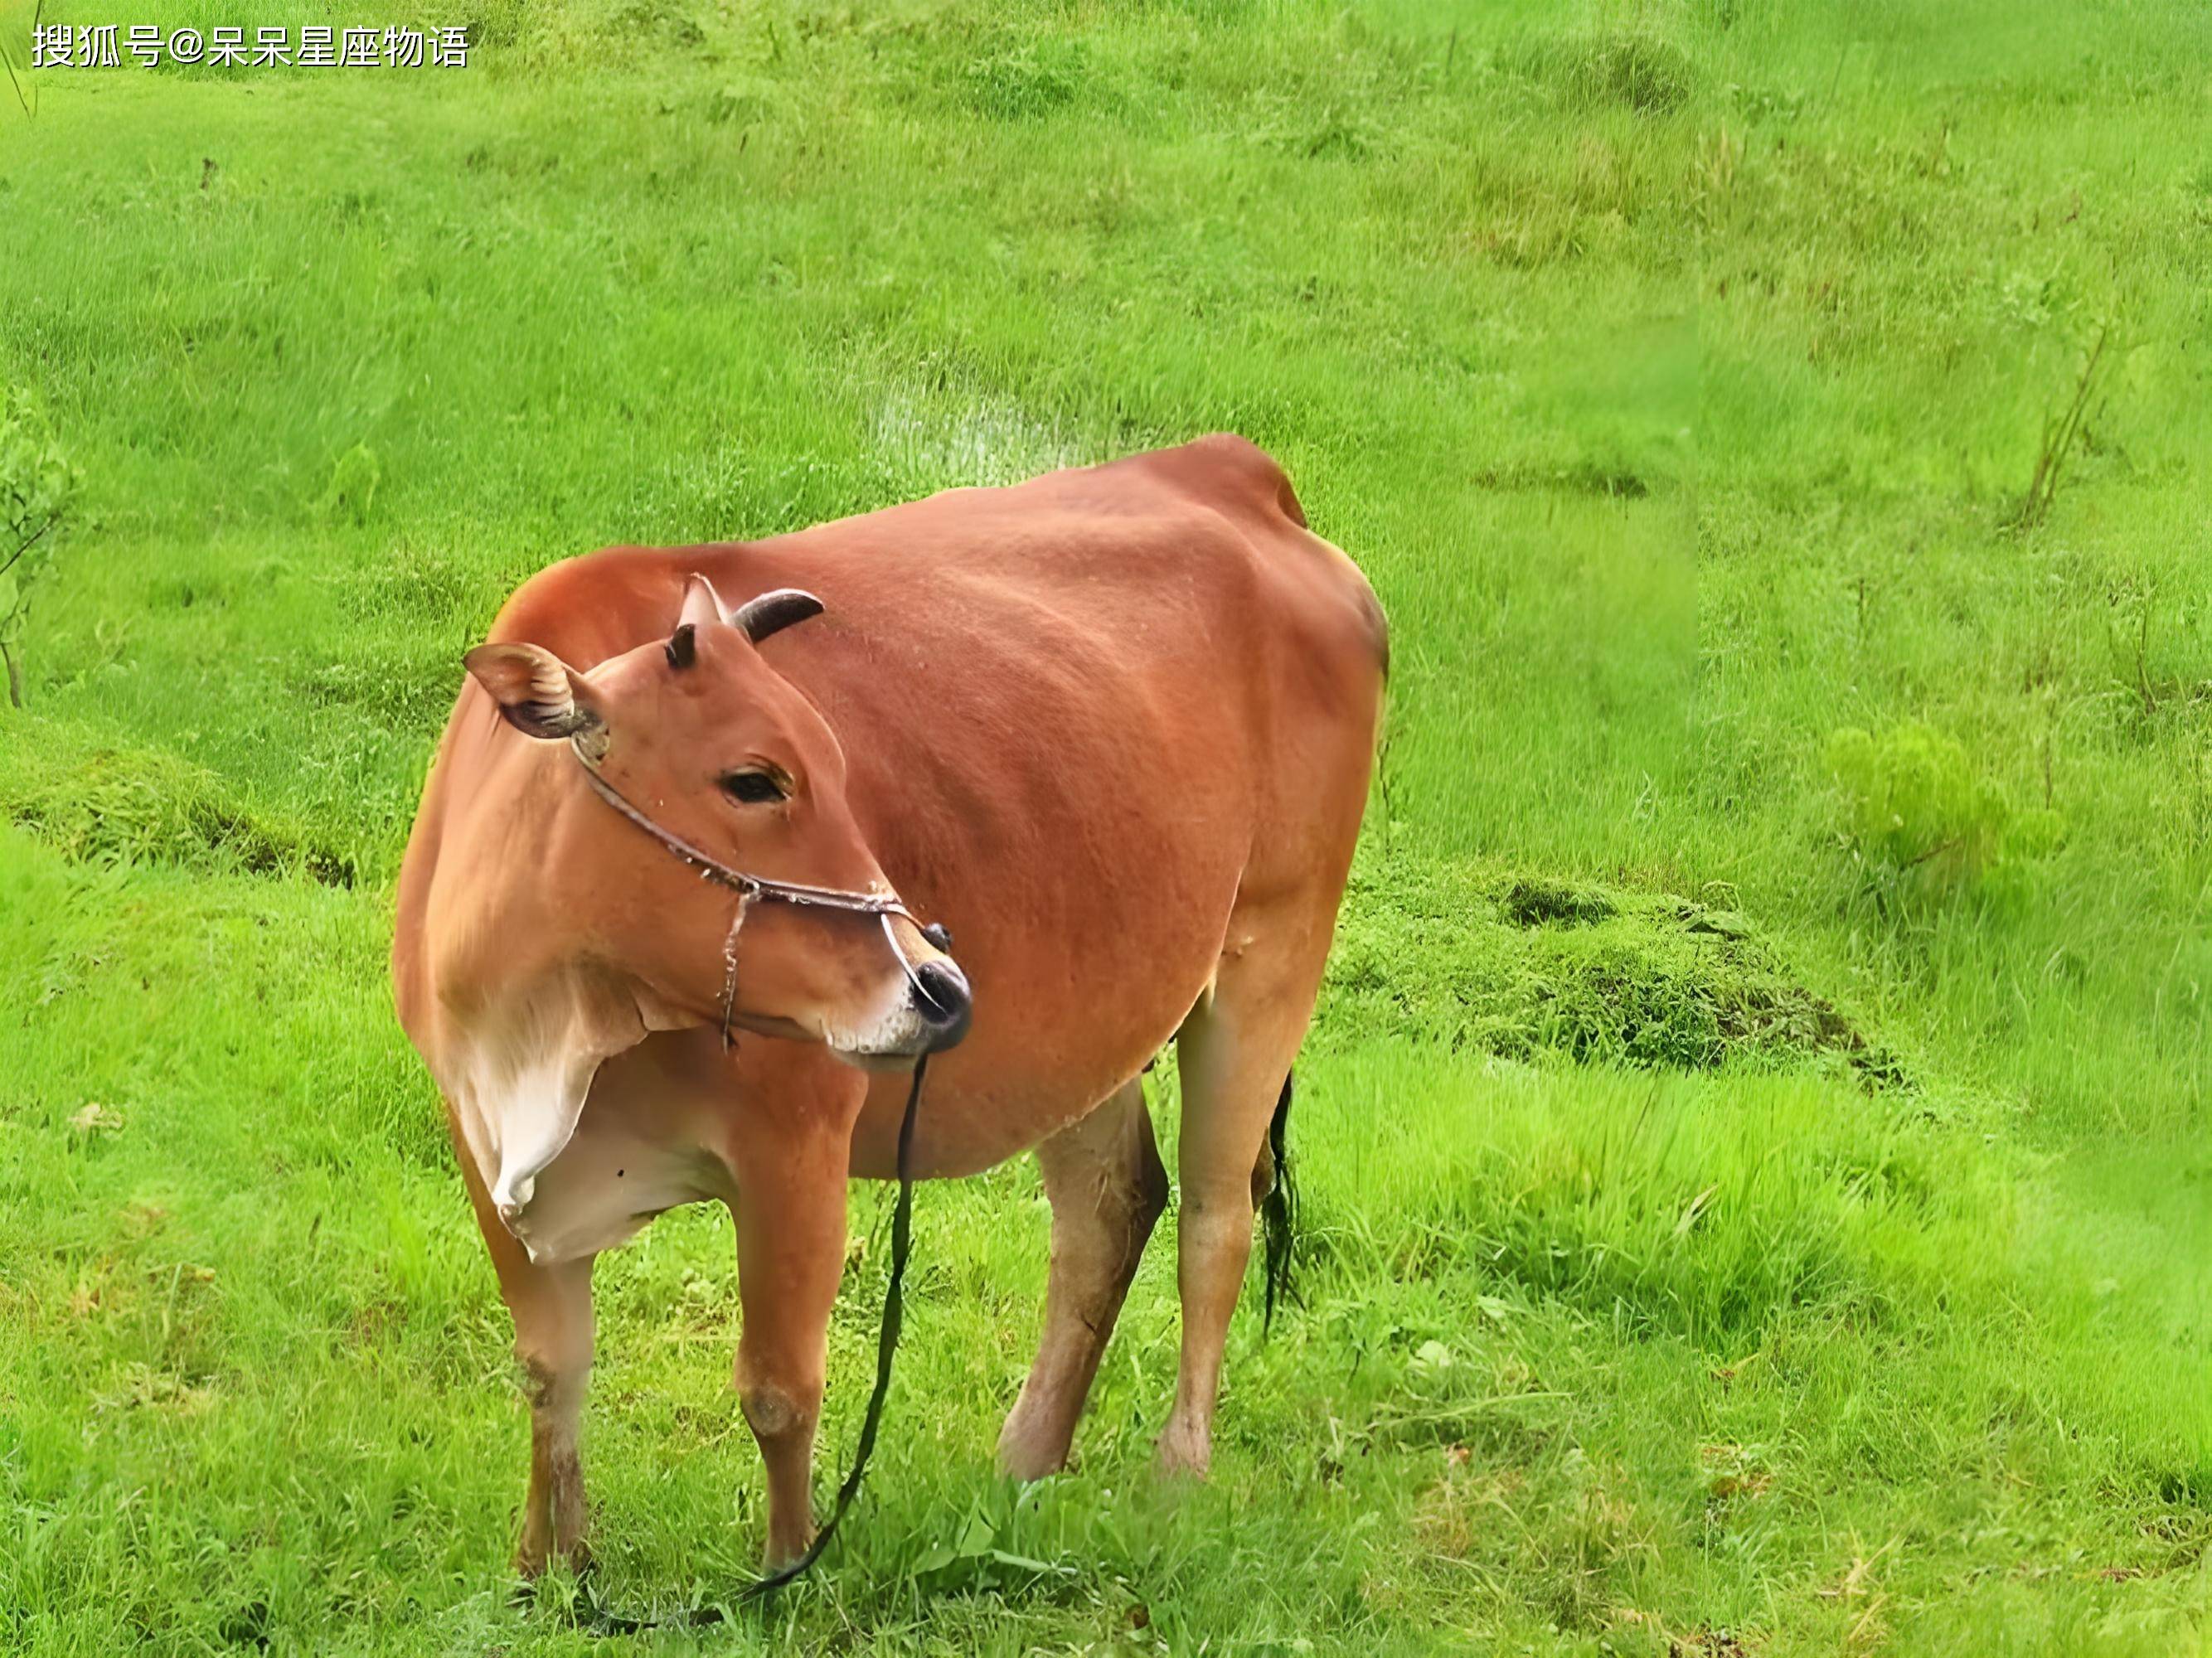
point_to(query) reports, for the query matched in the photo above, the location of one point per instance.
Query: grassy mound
(1527, 968)
(125, 803)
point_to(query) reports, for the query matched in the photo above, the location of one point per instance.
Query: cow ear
(540, 694)
(771, 612)
(702, 606)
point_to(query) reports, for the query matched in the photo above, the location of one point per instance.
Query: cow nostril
(942, 998)
(944, 990)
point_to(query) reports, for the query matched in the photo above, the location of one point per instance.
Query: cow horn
(771, 612)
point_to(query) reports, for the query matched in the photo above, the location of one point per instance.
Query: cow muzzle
(930, 1013)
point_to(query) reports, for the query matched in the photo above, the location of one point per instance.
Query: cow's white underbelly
(610, 1178)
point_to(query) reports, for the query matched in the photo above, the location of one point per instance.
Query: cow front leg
(551, 1304)
(791, 1151)
(553, 1329)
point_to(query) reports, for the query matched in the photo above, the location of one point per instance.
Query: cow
(1108, 734)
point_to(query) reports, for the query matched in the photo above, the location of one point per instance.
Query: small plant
(38, 489)
(353, 486)
(2060, 432)
(1028, 82)
(1913, 803)
(1630, 71)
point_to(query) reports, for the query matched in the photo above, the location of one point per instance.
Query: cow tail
(1279, 1210)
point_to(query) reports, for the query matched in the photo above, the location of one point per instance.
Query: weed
(352, 490)
(2062, 435)
(1916, 807)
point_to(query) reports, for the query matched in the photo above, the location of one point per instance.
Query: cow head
(702, 736)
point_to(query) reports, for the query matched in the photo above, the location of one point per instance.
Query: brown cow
(1113, 728)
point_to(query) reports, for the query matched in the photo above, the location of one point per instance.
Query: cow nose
(940, 996)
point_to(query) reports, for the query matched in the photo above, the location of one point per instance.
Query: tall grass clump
(125, 803)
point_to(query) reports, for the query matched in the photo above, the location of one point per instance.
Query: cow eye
(753, 788)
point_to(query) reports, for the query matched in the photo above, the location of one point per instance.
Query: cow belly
(607, 1182)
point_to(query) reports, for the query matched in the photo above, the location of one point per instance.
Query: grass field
(1758, 1197)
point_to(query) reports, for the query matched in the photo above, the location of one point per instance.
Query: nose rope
(905, 966)
(730, 967)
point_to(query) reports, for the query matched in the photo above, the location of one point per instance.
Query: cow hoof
(779, 1556)
(1184, 1454)
(1023, 1463)
(532, 1558)
(1027, 1454)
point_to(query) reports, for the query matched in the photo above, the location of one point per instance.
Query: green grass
(1728, 1232)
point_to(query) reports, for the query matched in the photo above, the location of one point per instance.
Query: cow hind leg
(1104, 1176)
(551, 1305)
(1234, 1054)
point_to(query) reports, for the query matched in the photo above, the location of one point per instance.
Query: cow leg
(553, 1329)
(1104, 1176)
(1233, 1053)
(551, 1305)
(791, 1153)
